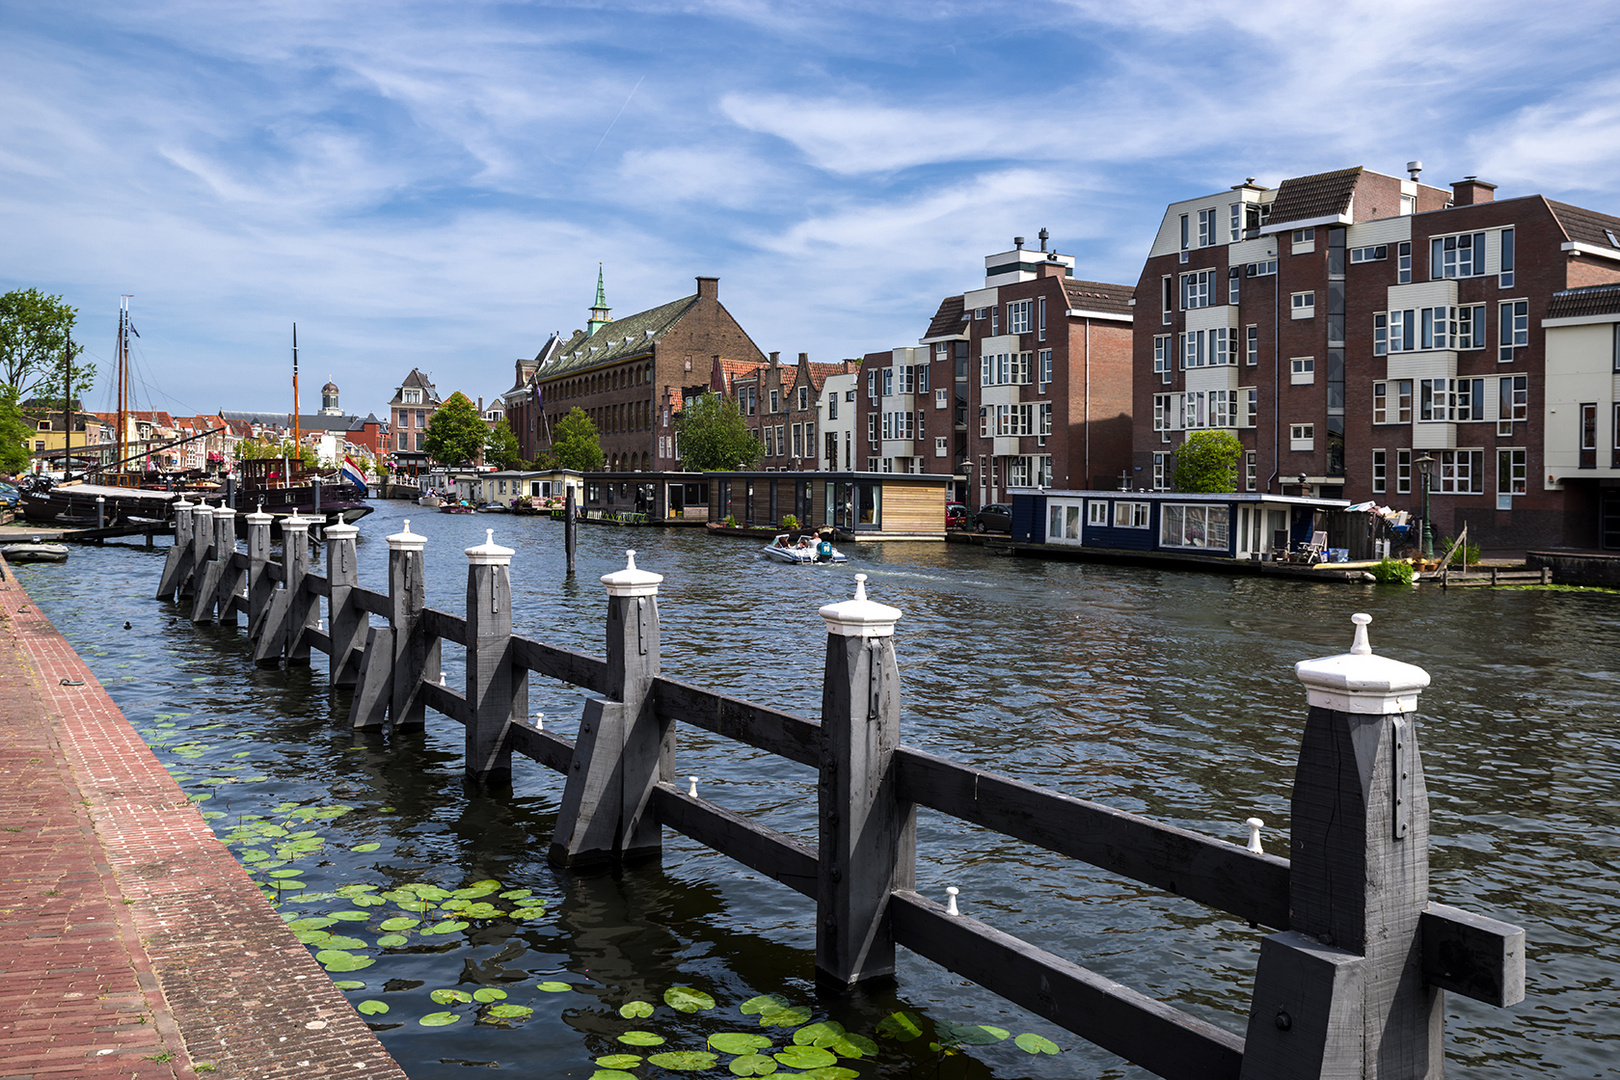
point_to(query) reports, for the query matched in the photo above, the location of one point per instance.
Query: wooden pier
(1350, 984)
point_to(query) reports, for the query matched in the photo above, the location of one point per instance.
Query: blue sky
(433, 185)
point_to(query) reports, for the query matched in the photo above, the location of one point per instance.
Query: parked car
(9, 498)
(994, 517)
(956, 515)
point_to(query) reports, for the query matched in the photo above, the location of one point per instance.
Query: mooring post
(623, 749)
(1342, 991)
(259, 583)
(868, 835)
(302, 610)
(414, 658)
(177, 564)
(496, 693)
(570, 525)
(230, 578)
(204, 574)
(343, 618)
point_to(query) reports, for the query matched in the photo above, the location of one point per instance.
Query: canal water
(1162, 692)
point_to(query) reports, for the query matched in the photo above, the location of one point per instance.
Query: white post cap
(202, 510)
(489, 553)
(224, 512)
(860, 617)
(258, 517)
(407, 540)
(182, 504)
(294, 523)
(341, 531)
(631, 581)
(1359, 682)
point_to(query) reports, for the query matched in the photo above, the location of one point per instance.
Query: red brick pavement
(132, 944)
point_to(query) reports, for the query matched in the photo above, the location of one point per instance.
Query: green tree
(713, 435)
(455, 432)
(14, 434)
(34, 331)
(1208, 462)
(252, 449)
(501, 447)
(574, 443)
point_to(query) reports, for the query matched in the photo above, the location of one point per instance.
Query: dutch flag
(354, 474)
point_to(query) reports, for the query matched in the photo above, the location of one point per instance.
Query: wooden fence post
(230, 578)
(259, 583)
(343, 619)
(623, 749)
(177, 564)
(868, 835)
(202, 567)
(302, 610)
(1342, 992)
(497, 693)
(414, 659)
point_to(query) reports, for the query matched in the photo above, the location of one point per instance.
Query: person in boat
(782, 541)
(805, 541)
(824, 549)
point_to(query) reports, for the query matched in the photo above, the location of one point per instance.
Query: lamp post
(966, 466)
(1425, 463)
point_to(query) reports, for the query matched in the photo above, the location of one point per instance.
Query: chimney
(804, 358)
(776, 358)
(1018, 243)
(1471, 191)
(709, 287)
(1414, 169)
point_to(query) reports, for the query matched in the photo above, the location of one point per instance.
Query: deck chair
(1316, 550)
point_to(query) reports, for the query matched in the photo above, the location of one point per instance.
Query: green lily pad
(1031, 1043)
(684, 1060)
(481, 911)
(449, 996)
(413, 905)
(831, 1072)
(455, 905)
(762, 1002)
(313, 937)
(487, 994)
(969, 1034)
(851, 1045)
(752, 1065)
(311, 922)
(619, 1061)
(510, 1012)
(449, 926)
(253, 855)
(612, 1074)
(818, 1034)
(363, 849)
(285, 873)
(737, 1042)
(342, 941)
(901, 1026)
(367, 901)
(641, 1038)
(805, 1057)
(687, 1000)
(633, 1010)
(372, 1007)
(349, 984)
(554, 987)
(519, 894)
(392, 941)
(438, 1019)
(326, 956)
(789, 1017)
(349, 915)
(348, 962)
(354, 890)
(399, 923)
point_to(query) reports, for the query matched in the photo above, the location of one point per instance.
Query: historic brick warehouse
(1355, 329)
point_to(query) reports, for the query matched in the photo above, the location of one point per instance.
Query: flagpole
(297, 434)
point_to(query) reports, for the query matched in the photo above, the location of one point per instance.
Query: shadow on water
(1162, 692)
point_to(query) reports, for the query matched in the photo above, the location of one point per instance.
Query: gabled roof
(733, 370)
(1586, 226)
(1591, 300)
(618, 340)
(948, 319)
(817, 374)
(416, 380)
(1099, 296)
(1304, 198)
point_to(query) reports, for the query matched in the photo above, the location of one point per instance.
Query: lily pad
(349, 915)
(449, 926)
(684, 1060)
(311, 922)
(349, 963)
(641, 1038)
(519, 894)
(831, 1072)
(764, 1001)
(792, 1016)
(805, 1057)
(342, 941)
(752, 1065)
(612, 1074)
(510, 1012)
(1031, 1043)
(363, 849)
(900, 1026)
(448, 996)
(438, 1019)
(851, 1045)
(687, 1000)
(487, 994)
(395, 925)
(970, 1034)
(554, 987)
(737, 1042)
(313, 937)
(634, 1010)
(619, 1061)
(349, 984)
(392, 941)
(818, 1034)
(285, 873)
(368, 901)
(372, 1007)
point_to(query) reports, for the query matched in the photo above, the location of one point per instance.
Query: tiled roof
(819, 374)
(1586, 226)
(416, 379)
(948, 319)
(1592, 300)
(1099, 296)
(732, 370)
(1305, 197)
(618, 340)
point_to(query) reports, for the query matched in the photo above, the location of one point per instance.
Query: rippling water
(1167, 693)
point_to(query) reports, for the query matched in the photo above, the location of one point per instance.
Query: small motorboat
(802, 550)
(494, 508)
(35, 551)
(458, 508)
(430, 499)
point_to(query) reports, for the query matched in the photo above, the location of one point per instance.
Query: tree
(34, 331)
(713, 435)
(455, 432)
(1208, 462)
(253, 449)
(14, 434)
(501, 447)
(574, 443)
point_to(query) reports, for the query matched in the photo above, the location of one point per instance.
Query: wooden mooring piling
(1351, 983)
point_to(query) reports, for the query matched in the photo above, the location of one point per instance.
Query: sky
(434, 185)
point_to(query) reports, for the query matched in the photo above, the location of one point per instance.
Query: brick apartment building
(783, 405)
(632, 375)
(413, 403)
(1025, 381)
(1353, 328)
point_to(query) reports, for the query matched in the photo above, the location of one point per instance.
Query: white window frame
(942, 398)
(1020, 316)
(1302, 436)
(1513, 329)
(1380, 471)
(1097, 513)
(1251, 470)
(1457, 255)
(1133, 515)
(1302, 305)
(1163, 362)
(1251, 346)
(1302, 370)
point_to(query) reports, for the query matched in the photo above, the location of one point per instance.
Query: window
(995, 321)
(1513, 329)
(1196, 288)
(770, 442)
(849, 395)
(1457, 256)
(1408, 204)
(1044, 368)
(1462, 472)
(1251, 470)
(1234, 278)
(980, 314)
(1184, 237)
(1304, 241)
(1512, 475)
(1380, 468)
(804, 397)
(1304, 304)
(776, 400)
(832, 406)
(1403, 330)
(872, 429)
(1436, 327)
(942, 398)
(1181, 525)
(1163, 411)
(1302, 436)
(412, 397)
(1020, 316)
(1251, 410)
(1302, 370)
(1468, 400)
(1167, 298)
(1134, 515)
(1206, 227)
(1261, 269)
(1040, 326)
(1161, 357)
(1513, 402)
(1470, 327)
(1159, 461)
(1380, 333)
(1251, 346)
(1434, 399)
(421, 418)
(871, 389)
(781, 439)
(1589, 435)
(1376, 253)
(1045, 428)
(1392, 402)
(1220, 348)
(941, 447)
(1223, 408)
(1096, 512)
(1192, 349)
(1403, 259)
(1234, 224)
(1403, 472)
(888, 381)
(1194, 403)
(1506, 279)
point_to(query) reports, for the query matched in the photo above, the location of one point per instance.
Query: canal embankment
(132, 943)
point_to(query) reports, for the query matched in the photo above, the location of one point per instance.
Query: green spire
(600, 309)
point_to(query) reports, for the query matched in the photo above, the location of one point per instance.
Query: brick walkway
(132, 944)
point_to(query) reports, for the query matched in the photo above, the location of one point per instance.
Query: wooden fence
(1351, 984)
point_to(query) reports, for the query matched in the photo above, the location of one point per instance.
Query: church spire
(599, 310)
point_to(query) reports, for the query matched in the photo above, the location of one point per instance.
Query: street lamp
(966, 467)
(1425, 463)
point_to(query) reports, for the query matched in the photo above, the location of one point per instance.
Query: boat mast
(122, 390)
(67, 409)
(297, 435)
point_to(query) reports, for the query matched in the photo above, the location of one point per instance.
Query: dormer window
(411, 397)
